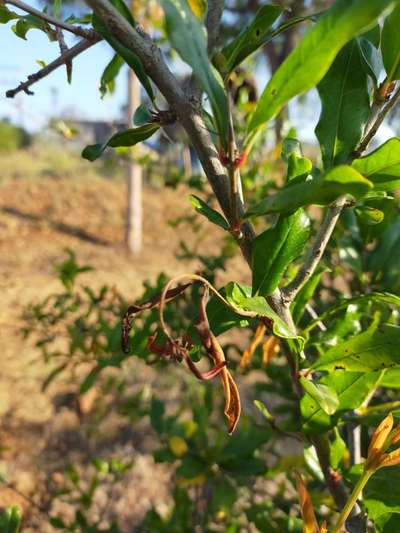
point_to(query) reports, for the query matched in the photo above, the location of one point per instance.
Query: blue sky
(18, 59)
(55, 97)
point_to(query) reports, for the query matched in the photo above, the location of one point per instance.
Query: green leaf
(30, 22)
(368, 215)
(305, 295)
(375, 349)
(237, 296)
(311, 59)
(351, 388)
(371, 57)
(384, 297)
(338, 448)
(124, 138)
(382, 166)
(6, 15)
(187, 36)
(157, 410)
(10, 520)
(390, 45)
(130, 57)
(321, 191)
(345, 106)
(275, 249)
(251, 38)
(325, 397)
(107, 80)
(205, 210)
(142, 116)
(381, 494)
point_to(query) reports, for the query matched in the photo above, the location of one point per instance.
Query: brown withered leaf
(248, 353)
(270, 347)
(148, 304)
(232, 408)
(310, 524)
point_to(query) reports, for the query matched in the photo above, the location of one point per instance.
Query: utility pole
(134, 216)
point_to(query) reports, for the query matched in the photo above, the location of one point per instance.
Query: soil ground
(40, 216)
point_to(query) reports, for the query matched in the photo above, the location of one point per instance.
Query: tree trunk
(134, 219)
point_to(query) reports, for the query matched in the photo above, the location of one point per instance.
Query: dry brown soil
(39, 218)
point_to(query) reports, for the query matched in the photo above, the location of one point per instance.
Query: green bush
(12, 137)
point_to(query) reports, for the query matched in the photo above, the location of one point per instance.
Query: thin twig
(77, 30)
(64, 59)
(375, 126)
(322, 238)
(317, 250)
(232, 170)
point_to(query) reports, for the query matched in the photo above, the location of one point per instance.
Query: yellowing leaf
(198, 7)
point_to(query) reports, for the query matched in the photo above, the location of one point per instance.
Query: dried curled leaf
(232, 399)
(248, 353)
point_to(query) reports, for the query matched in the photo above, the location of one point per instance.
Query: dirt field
(40, 216)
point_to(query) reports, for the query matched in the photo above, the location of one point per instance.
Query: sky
(54, 97)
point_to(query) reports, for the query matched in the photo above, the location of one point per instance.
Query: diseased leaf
(351, 388)
(107, 80)
(382, 166)
(321, 191)
(311, 59)
(345, 106)
(205, 210)
(251, 38)
(124, 138)
(275, 249)
(187, 36)
(374, 349)
(390, 44)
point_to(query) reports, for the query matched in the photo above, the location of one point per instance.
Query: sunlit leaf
(275, 249)
(311, 59)
(107, 80)
(205, 210)
(382, 166)
(391, 44)
(124, 138)
(351, 389)
(251, 37)
(321, 190)
(345, 106)
(374, 349)
(188, 37)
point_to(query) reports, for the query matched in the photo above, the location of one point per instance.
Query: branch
(64, 59)
(316, 252)
(213, 19)
(151, 57)
(91, 35)
(376, 125)
(322, 238)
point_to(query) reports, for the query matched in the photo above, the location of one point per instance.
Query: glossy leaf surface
(275, 249)
(345, 106)
(311, 59)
